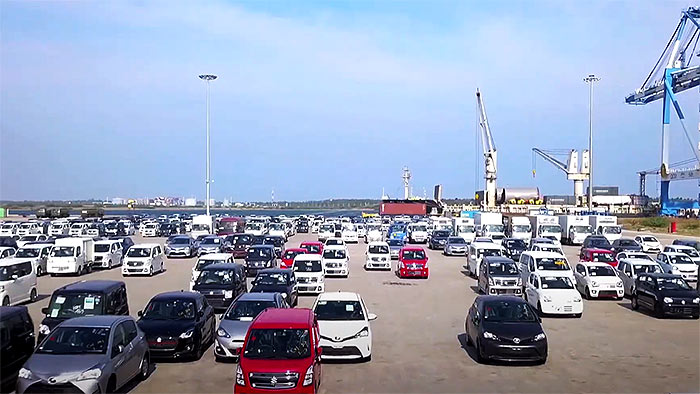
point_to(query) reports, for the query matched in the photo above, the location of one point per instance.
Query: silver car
(92, 354)
(238, 317)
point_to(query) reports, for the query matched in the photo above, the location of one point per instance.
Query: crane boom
(552, 160)
(490, 155)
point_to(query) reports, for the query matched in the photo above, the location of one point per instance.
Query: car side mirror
(45, 310)
(371, 316)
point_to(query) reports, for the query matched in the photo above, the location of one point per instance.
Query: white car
(553, 294)
(278, 229)
(374, 233)
(6, 252)
(144, 259)
(648, 243)
(378, 256)
(308, 269)
(326, 231)
(418, 233)
(633, 255)
(17, 282)
(476, 252)
(361, 230)
(349, 234)
(598, 280)
(107, 254)
(149, 230)
(688, 250)
(31, 238)
(544, 263)
(9, 229)
(336, 261)
(343, 323)
(59, 228)
(28, 228)
(208, 259)
(77, 229)
(335, 242)
(38, 254)
(678, 263)
(629, 268)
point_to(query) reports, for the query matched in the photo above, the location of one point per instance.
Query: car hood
(62, 367)
(338, 330)
(169, 327)
(235, 328)
(506, 330)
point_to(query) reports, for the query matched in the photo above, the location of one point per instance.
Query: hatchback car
(455, 246)
(500, 276)
(665, 295)
(649, 243)
(221, 283)
(344, 326)
(438, 239)
(181, 245)
(413, 262)
(312, 247)
(596, 241)
(626, 244)
(260, 257)
(598, 280)
(288, 256)
(276, 280)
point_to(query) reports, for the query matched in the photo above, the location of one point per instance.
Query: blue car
(398, 231)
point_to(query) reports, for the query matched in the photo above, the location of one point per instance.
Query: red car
(413, 262)
(288, 256)
(281, 353)
(312, 247)
(600, 255)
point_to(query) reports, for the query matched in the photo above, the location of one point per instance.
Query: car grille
(52, 388)
(98, 258)
(134, 263)
(343, 351)
(682, 310)
(568, 308)
(303, 280)
(274, 381)
(333, 265)
(414, 266)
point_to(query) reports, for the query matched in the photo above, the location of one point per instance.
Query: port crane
(673, 73)
(572, 169)
(490, 155)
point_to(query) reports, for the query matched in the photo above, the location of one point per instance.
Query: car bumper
(410, 273)
(354, 239)
(346, 350)
(178, 252)
(681, 310)
(227, 347)
(249, 390)
(458, 251)
(172, 348)
(142, 270)
(562, 309)
(311, 288)
(617, 292)
(384, 265)
(505, 352)
(502, 290)
(40, 386)
(337, 271)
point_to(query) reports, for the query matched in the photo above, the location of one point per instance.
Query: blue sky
(322, 99)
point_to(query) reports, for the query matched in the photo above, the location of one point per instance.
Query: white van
(378, 256)
(476, 252)
(107, 253)
(544, 263)
(336, 261)
(553, 294)
(308, 268)
(38, 254)
(349, 233)
(77, 229)
(59, 227)
(70, 256)
(28, 228)
(17, 281)
(143, 259)
(326, 231)
(9, 229)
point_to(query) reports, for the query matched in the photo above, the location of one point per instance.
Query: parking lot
(419, 343)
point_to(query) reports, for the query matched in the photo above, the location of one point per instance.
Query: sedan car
(626, 244)
(455, 246)
(343, 322)
(178, 324)
(181, 245)
(505, 328)
(93, 354)
(238, 317)
(666, 295)
(438, 239)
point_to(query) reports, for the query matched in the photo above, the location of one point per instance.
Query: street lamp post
(590, 80)
(208, 78)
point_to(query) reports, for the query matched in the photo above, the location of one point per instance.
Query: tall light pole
(590, 80)
(208, 78)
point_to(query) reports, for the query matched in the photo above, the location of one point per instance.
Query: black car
(84, 298)
(665, 295)
(260, 257)
(303, 226)
(276, 241)
(8, 241)
(16, 343)
(257, 240)
(238, 244)
(596, 242)
(688, 242)
(126, 243)
(625, 245)
(168, 229)
(505, 328)
(177, 324)
(514, 247)
(438, 239)
(221, 283)
(277, 280)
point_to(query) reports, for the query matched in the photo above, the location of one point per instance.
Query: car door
(44, 257)
(116, 253)
(119, 359)
(531, 290)
(580, 275)
(643, 291)
(135, 354)
(317, 360)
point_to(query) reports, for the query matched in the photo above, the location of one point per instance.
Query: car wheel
(145, 367)
(658, 311)
(578, 315)
(539, 308)
(6, 301)
(587, 293)
(32, 295)
(635, 303)
(479, 357)
(150, 271)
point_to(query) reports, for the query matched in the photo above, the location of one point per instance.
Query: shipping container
(403, 208)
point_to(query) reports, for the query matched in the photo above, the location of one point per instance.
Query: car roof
(681, 247)
(107, 241)
(308, 257)
(660, 275)
(14, 260)
(90, 285)
(287, 317)
(275, 271)
(634, 260)
(294, 250)
(262, 247)
(95, 321)
(486, 245)
(541, 253)
(334, 247)
(257, 297)
(339, 296)
(7, 311)
(413, 248)
(36, 245)
(145, 245)
(486, 298)
(598, 250)
(191, 295)
(221, 266)
(594, 263)
(673, 253)
(312, 243)
(215, 256)
(378, 243)
(497, 259)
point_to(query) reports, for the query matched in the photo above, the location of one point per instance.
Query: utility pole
(590, 80)
(208, 78)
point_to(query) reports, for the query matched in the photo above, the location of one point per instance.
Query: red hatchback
(413, 262)
(312, 247)
(599, 255)
(281, 353)
(288, 256)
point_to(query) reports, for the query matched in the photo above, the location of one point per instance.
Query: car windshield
(493, 228)
(690, 252)
(627, 242)
(456, 240)
(508, 311)
(202, 263)
(650, 239)
(395, 242)
(215, 277)
(418, 228)
(550, 229)
(516, 244)
(441, 234)
(552, 264)
(247, 310)
(378, 249)
(680, 259)
(170, 310)
(180, 241)
(648, 268)
(413, 255)
(200, 227)
(259, 253)
(278, 344)
(307, 266)
(28, 238)
(291, 254)
(102, 248)
(271, 279)
(327, 227)
(673, 284)
(339, 310)
(28, 252)
(601, 270)
(69, 305)
(521, 228)
(276, 241)
(334, 253)
(333, 242)
(556, 283)
(582, 229)
(312, 248)
(490, 252)
(603, 257)
(599, 243)
(138, 252)
(276, 226)
(211, 241)
(76, 340)
(503, 268)
(62, 251)
(612, 230)
(642, 256)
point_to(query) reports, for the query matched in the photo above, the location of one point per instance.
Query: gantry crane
(573, 171)
(490, 155)
(672, 74)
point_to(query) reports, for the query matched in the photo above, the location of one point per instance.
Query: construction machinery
(673, 73)
(490, 155)
(572, 169)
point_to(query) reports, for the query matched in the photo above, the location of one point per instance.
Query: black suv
(16, 343)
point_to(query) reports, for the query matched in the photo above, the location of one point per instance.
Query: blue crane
(673, 73)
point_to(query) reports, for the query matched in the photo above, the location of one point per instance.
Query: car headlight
(44, 329)
(240, 380)
(696, 300)
(308, 377)
(363, 333)
(546, 298)
(674, 267)
(490, 336)
(594, 284)
(491, 283)
(187, 334)
(520, 281)
(668, 300)
(24, 373)
(222, 333)
(94, 373)
(539, 337)
(284, 295)
(619, 283)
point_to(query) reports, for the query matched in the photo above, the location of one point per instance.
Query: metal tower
(406, 183)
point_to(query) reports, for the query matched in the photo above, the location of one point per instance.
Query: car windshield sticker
(60, 300)
(560, 262)
(54, 312)
(322, 302)
(89, 303)
(349, 307)
(544, 285)
(246, 318)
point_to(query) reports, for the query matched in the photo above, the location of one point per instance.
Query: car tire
(6, 301)
(578, 315)
(587, 293)
(32, 295)
(658, 311)
(150, 271)
(635, 302)
(479, 357)
(145, 368)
